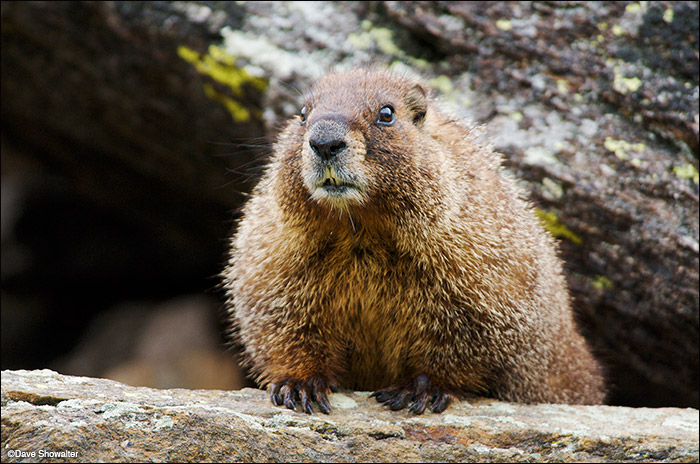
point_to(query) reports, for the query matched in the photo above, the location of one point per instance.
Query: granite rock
(50, 417)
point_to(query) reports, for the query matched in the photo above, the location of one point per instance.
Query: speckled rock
(593, 104)
(51, 417)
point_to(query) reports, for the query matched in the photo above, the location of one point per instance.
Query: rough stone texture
(112, 133)
(102, 420)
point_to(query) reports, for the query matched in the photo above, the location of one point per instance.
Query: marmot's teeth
(330, 176)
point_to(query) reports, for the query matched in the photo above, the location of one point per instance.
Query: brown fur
(431, 279)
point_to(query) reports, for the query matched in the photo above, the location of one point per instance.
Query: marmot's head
(359, 134)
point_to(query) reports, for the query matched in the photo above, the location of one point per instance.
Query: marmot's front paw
(419, 392)
(290, 392)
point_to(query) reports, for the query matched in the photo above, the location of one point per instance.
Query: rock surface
(98, 420)
(126, 146)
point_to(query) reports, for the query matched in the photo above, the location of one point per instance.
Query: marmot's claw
(288, 392)
(305, 403)
(441, 402)
(275, 394)
(291, 392)
(418, 393)
(323, 403)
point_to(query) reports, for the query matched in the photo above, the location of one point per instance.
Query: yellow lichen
(550, 222)
(625, 84)
(441, 83)
(238, 112)
(218, 54)
(563, 86)
(221, 67)
(633, 8)
(621, 148)
(687, 171)
(379, 37)
(504, 24)
(419, 62)
(553, 188)
(360, 41)
(187, 54)
(602, 283)
(618, 30)
(384, 39)
(668, 15)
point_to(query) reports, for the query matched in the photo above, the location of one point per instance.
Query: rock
(115, 114)
(98, 420)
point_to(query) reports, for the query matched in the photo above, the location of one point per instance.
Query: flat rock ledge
(51, 417)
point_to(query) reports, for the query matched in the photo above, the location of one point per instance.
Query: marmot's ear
(417, 102)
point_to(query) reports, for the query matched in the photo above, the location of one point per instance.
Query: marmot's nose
(327, 149)
(327, 136)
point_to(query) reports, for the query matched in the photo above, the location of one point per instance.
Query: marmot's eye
(302, 114)
(386, 115)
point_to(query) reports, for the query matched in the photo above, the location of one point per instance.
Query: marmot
(385, 249)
